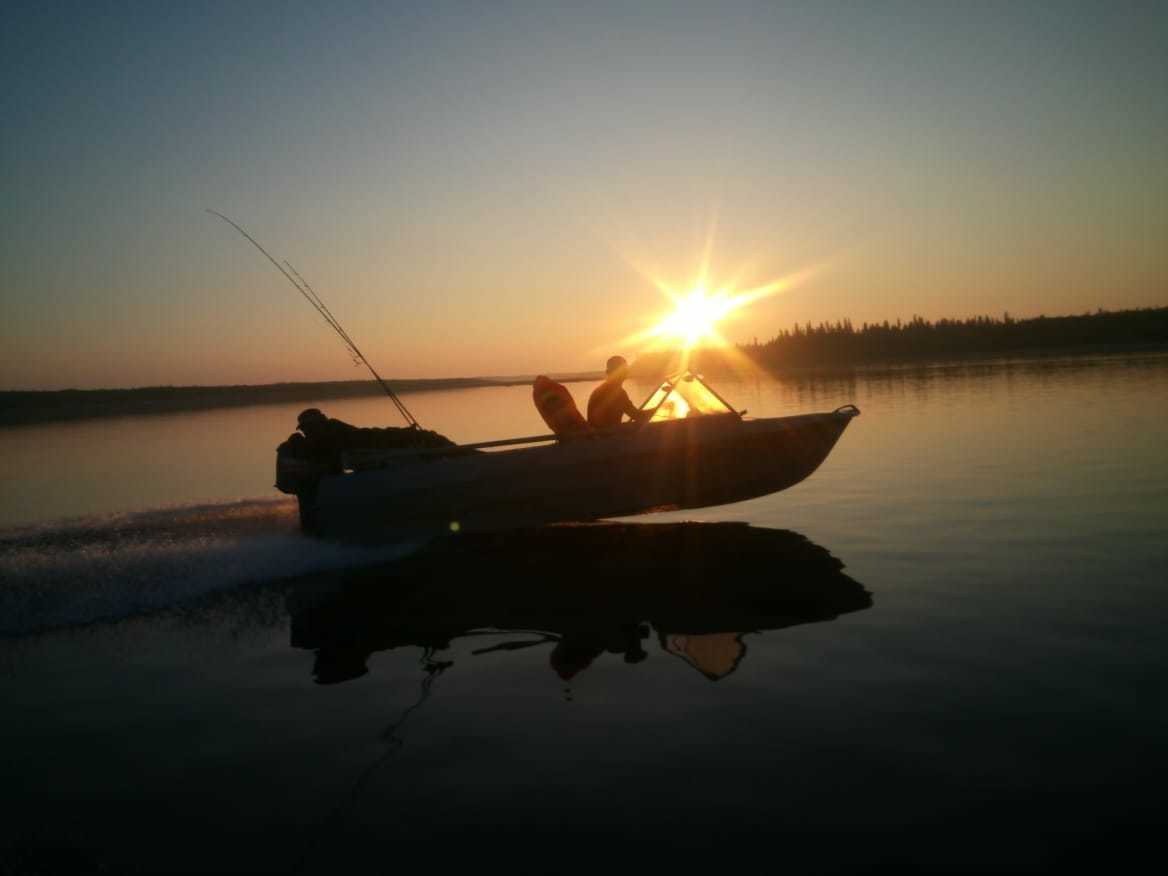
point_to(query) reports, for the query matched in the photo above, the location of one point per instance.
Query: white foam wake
(108, 567)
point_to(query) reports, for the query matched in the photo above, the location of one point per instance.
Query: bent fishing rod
(301, 285)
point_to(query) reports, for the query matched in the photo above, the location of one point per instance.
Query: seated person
(609, 401)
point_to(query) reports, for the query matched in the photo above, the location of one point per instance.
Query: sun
(695, 317)
(693, 322)
(699, 309)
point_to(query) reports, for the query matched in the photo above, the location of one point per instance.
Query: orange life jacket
(557, 407)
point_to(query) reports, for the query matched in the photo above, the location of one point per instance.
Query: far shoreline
(33, 407)
(36, 407)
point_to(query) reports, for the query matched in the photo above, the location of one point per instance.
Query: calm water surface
(994, 704)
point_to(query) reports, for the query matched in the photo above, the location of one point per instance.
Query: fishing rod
(301, 285)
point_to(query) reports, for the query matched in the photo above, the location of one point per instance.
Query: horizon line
(566, 376)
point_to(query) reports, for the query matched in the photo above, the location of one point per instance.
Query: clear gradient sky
(481, 188)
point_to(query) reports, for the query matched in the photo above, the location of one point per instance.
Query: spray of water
(108, 567)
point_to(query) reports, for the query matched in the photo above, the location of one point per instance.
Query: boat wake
(104, 568)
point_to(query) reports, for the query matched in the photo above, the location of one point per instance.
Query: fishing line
(310, 295)
(328, 314)
(329, 828)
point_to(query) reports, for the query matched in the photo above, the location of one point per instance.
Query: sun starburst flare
(696, 313)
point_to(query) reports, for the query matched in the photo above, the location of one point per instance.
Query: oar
(536, 439)
(478, 445)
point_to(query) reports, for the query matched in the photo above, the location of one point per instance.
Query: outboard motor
(296, 468)
(315, 452)
(298, 472)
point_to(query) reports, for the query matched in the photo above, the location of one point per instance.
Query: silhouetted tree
(840, 344)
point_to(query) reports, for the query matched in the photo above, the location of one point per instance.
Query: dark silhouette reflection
(577, 648)
(585, 590)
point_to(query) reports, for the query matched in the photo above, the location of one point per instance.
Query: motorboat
(690, 449)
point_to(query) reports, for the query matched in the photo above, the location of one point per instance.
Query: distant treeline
(842, 344)
(20, 407)
(827, 345)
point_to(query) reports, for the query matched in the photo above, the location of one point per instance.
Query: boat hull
(689, 463)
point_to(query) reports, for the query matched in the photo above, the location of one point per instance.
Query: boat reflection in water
(582, 590)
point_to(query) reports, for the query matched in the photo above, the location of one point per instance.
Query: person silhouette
(609, 401)
(578, 649)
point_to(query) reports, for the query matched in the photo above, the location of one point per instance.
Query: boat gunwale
(543, 444)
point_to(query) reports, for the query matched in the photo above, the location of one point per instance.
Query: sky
(501, 188)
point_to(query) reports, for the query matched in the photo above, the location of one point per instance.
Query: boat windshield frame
(687, 376)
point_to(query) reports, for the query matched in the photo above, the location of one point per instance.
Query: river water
(979, 688)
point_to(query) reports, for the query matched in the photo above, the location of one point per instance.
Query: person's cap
(312, 415)
(615, 363)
